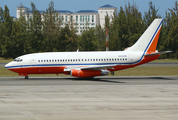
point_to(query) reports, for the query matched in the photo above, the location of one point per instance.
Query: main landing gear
(26, 77)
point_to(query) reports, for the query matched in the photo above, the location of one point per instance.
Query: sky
(76, 5)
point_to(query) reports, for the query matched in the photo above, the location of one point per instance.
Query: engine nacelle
(87, 73)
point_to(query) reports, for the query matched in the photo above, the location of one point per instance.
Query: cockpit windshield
(18, 60)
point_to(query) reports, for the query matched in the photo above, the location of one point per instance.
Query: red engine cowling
(85, 73)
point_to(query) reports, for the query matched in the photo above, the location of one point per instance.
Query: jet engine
(88, 73)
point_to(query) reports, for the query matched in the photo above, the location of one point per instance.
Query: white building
(103, 11)
(83, 19)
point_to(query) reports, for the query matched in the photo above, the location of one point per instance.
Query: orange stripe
(153, 45)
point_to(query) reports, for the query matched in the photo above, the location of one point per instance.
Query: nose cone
(7, 65)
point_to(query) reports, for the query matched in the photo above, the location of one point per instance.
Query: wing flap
(94, 67)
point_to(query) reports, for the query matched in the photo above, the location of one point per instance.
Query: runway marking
(29, 114)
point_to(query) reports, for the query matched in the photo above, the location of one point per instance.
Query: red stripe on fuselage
(38, 70)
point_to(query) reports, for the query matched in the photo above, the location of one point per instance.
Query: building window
(66, 19)
(83, 18)
(62, 19)
(71, 18)
(76, 18)
(31, 17)
(80, 18)
(92, 18)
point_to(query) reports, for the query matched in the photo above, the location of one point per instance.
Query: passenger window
(49, 60)
(41, 60)
(125, 58)
(74, 60)
(38, 60)
(91, 59)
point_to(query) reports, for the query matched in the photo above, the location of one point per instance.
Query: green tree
(51, 29)
(6, 41)
(151, 14)
(67, 40)
(88, 41)
(101, 38)
(170, 33)
(35, 30)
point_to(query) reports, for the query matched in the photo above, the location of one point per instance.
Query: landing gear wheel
(26, 77)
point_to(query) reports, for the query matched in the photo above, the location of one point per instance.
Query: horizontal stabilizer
(157, 53)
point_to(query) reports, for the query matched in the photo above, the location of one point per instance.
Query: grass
(148, 71)
(137, 71)
(165, 60)
(3, 60)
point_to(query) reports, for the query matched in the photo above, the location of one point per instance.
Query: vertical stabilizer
(149, 39)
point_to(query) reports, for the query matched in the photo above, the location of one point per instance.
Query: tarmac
(103, 98)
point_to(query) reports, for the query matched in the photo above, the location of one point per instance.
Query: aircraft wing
(157, 53)
(93, 67)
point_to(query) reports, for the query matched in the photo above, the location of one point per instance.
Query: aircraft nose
(7, 65)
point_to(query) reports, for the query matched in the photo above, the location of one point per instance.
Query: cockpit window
(18, 60)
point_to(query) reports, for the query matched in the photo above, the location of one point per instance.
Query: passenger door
(32, 60)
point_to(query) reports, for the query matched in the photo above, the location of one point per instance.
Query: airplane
(91, 64)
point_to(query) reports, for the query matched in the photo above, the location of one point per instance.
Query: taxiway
(103, 98)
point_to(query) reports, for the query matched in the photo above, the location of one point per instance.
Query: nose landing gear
(24, 74)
